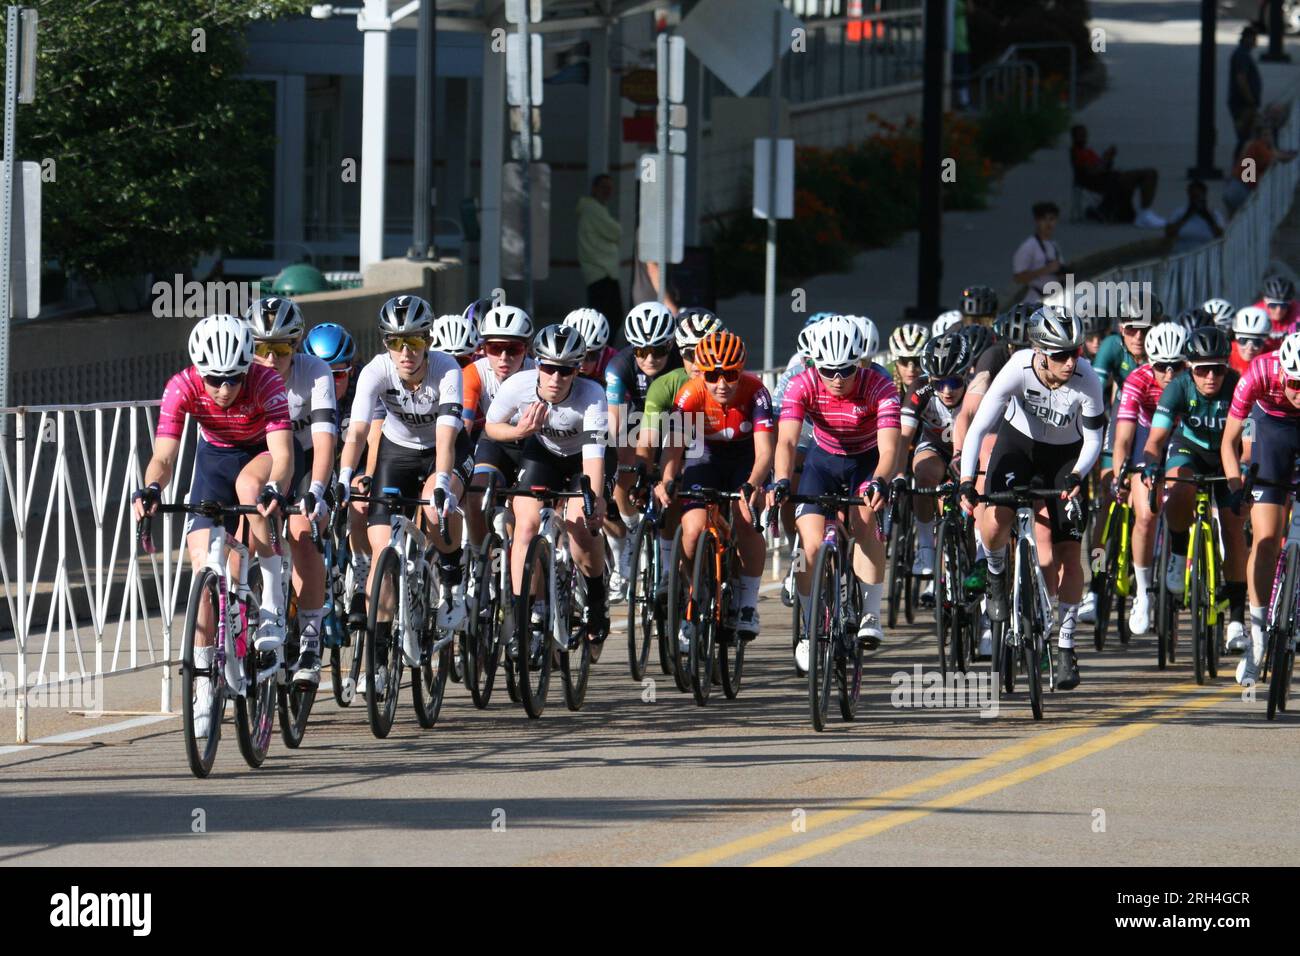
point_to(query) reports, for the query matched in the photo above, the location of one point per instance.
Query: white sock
(1257, 623)
(631, 521)
(805, 607)
(309, 625)
(360, 564)
(925, 534)
(748, 592)
(1069, 618)
(272, 584)
(203, 657)
(871, 594)
(997, 561)
(981, 552)
(1143, 578)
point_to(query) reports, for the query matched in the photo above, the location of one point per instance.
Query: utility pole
(929, 266)
(1275, 54)
(426, 79)
(1205, 136)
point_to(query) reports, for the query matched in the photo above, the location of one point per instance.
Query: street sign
(512, 219)
(784, 177)
(515, 10)
(640, 86)
(27, 56)
(723, 34)
(677, 141)
(651, 229)
(522, 70)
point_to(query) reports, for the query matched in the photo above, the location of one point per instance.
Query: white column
(597, 106)
(373, 23)
(492, 156)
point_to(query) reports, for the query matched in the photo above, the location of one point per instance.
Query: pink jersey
(262, 406)
(1290, 322)
(848, 425)
(1141, 394)
(1263, 383)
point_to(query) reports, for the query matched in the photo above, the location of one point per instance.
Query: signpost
(524, 95)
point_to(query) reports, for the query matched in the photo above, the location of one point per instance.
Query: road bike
(904, 587)
(345, 643)
(956, 610)
(1281, 629)
(646, 612)
(486, 594)
(1112, 580)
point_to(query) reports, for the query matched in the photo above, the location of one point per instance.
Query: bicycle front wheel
(533, 674)
(429, 680)
(1281, 653)
(575, 661)
(679, 597)
(1105, 589)
(641, 598)
(202, 688)
(702, 617)
(827, 622)
(1032, 631)
(383, 644)
(1202, 633)
(848, 657)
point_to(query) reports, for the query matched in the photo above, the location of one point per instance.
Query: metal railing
(1232, 265)
(1013, 81)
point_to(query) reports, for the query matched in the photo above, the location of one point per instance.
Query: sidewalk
(1148, 110)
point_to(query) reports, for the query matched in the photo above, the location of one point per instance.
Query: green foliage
(146, 120)
(1008, 136)
(996, 24)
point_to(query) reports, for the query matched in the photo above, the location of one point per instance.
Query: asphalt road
(1136, 766)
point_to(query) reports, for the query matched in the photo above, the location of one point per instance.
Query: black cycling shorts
(1276, 445)
(1018, 460)
(407, 469)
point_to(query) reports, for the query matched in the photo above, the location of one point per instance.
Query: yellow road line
(1066, 757)
(1009, 754)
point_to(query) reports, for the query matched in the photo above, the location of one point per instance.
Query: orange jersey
(750, 409)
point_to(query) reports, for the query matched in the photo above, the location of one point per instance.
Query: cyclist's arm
(280, 444)
(787, 438)
(595, 425)
(163, 463)
(1092, 424)
(990, 408)
(1230, 449)
(449, 422)
(672, 462)
(324, 426)
(1157, 439)
(363, 413)
(970, 403)
(764, 452)
(1125, 432)
(888, 466)
(372, 445)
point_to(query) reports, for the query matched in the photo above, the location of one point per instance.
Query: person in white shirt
(1038, 261)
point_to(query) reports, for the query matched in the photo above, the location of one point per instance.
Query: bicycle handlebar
(214, 510)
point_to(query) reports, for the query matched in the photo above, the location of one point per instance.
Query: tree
(139, 105)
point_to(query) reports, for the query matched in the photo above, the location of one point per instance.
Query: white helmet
(908, 341)
(405, 315)
(221, 345)
(836, 342)
(505, 322)
(1053, 328)
(944, 322)
(1252, 320)
(693, 324)
(1220, 310)
(275, 317)
(806, 341)
(592, 325)
(1288, 354)
(455, 335)
(870, 335)
(649, 324)
(1165, 342)
(560, 345)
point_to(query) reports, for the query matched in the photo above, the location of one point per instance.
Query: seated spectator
(1258, 154)
(1097, 174)
(1194, 223)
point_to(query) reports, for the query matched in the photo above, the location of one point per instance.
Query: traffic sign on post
(516, 10)
(521, 70)
(535, 226)
(784, 177)
(650, 232)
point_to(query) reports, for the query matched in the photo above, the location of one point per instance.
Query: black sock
(449, 566)
(1236, 591)
(596, 592)
(1179, 539)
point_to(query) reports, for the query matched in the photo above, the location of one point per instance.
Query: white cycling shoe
(1087, 613)
(270, 630)
(617, 588)
(1174, 575)
(1236, 635)
(923, 564)
(986, 643)
(379, 683)
(801, 655)
(1139, 618)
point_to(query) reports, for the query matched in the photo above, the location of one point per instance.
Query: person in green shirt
(1189, 421)
(599, 236)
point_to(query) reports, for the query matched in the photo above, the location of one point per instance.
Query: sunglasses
(1276, 305)
(1064, 355)
(1133, 329)
(341, 373)
(563, 371)
(908, 362)
(415, 343)
(839, 371)
(1250, 342)
(1201, 371)
(652, 351)
(1293, 385)
(498, 349)
(722, 375)
(950, 384)
(1166, 368)
(216, 381)
(278, 349)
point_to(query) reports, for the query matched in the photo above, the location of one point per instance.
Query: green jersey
(663, 390)
(1202, 418)
(1113, 363)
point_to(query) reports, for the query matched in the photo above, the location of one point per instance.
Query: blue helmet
(331, 343)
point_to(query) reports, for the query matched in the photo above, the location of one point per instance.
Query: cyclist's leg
(308, 567)
(1179, 511)
(1143, 539)
(929, 466)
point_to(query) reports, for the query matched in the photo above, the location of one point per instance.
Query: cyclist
(929, 409)
(1251, 328)
(945, 322)
(734, 453)
(309, 386)
(1219, 312)
(422, 447)
(561, 421)
(855, 416)
(1142, 390)
(649, 329)
(506, 331)
(658, 432)
(457, 336)
(868, 342)
(1272, 381)
(1095, 329)
(244, 455)
(906, 343)
(981, 339)
(1051, 435)
(594, 329)
(979, 305)
(803, 358)
(1279, 304)
(1189, 421)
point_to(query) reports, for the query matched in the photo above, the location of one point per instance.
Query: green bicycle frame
(1203, 527)
(1123, 576)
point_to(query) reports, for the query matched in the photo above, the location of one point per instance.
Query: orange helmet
(720, 350)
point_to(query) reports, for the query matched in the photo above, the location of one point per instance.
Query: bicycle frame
(232, 620)
(1024, 529)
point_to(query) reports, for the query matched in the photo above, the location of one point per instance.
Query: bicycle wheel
(202, 751)
(1281, 654)
(912, 584)
(827, 619)
(575, 661)
(899, 568)
(1199, 606)
(533, 665)
(679, 596)
(1004, 656)
(945, 603)
(641, 598)
(702, 615)
(1031, 640)
(384, 659)
(295, 703)
(1213, 569)
(1105, 589)
(429, 680)
(848, 658)
(796, 630)
(345, 665)
(483, 641)
(255, 708)
(731, 653)
(1164, 618)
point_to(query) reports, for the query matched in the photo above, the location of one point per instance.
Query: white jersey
(577, 424)
(412, 417)
(489, 384)
(1052, 416)
(312, 408)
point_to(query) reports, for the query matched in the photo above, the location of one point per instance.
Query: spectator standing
(1194, 223)
(1245, 88)
(599, 235)
(1038, 260)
